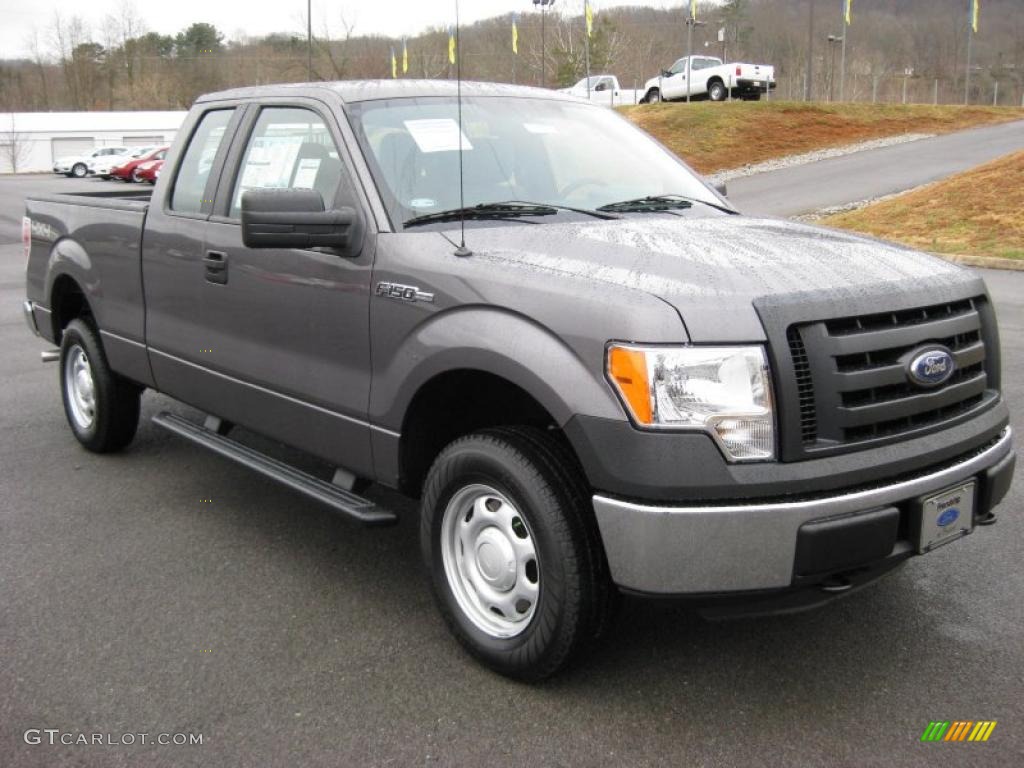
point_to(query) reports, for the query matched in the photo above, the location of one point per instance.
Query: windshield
(542, 151)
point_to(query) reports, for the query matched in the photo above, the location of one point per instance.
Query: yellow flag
(394, 64)
(589, 12)
(974, 15)
(515, 36)
(693, 9)
(405, 57)
(451, 46)
(849, 12)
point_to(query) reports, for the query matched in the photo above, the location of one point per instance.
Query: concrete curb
(985, 262)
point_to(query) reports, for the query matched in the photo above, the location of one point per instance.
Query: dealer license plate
(946, 516)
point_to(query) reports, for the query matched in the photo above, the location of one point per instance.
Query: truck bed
(95, 239)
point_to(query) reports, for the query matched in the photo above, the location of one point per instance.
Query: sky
(253, 18)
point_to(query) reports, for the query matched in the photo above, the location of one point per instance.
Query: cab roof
(351, 91)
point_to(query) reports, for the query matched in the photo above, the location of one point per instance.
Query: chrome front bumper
(743, 547)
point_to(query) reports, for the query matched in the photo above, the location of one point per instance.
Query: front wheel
(653, 96)
(513, 552)
(78, 170)
(102, 409)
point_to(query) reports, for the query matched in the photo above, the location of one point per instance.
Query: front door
(285, 332)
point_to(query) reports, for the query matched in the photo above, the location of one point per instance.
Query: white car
(710, 79)
(102, 165)
(78, 165)
(604, 89)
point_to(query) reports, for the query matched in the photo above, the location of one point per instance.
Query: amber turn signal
(628, 371)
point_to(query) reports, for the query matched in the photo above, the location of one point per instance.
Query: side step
(333, 496)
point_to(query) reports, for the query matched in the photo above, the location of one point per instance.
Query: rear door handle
(216, 264)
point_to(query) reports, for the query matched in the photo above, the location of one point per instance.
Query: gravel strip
(813, 157)
(821, 213)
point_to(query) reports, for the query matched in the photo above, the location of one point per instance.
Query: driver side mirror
(721, 189)
(295, 218)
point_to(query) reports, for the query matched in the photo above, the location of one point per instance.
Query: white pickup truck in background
(605, 89)
(710, 79)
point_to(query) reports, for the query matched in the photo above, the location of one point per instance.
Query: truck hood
(713, 269)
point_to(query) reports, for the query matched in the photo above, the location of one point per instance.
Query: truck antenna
(462, 250)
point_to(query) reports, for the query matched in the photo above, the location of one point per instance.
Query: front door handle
(216, 264)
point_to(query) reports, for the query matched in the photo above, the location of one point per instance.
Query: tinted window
(290, 147)
(194, 171)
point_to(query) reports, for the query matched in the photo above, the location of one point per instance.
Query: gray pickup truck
(595, 374)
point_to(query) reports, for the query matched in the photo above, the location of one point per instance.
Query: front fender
(499, 342)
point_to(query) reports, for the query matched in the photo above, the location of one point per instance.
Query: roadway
(290, 637)
(866, 175)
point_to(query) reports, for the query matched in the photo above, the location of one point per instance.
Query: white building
(39, 138)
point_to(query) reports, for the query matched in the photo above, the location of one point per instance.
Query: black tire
(115, 401)
(78, 170)
(717, 91)
(541, 479)
(653, 96)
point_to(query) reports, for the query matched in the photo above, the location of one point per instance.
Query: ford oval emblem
(948, 517)
(931, 367)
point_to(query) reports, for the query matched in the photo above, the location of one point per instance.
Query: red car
(128, 170)
(148, 171)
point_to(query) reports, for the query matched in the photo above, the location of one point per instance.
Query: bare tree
(337, 50)
(15, 148)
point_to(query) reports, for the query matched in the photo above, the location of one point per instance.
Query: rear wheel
(78, 170)
(102, 409)
(513, 552)
(716, 91)
(135, 176)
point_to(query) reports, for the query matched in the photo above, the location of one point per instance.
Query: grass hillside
(716, 136)
(975, 213)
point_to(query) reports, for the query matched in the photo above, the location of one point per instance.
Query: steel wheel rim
(81, 388)
(490, 560)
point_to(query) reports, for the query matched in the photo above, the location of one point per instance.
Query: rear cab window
(188, 195)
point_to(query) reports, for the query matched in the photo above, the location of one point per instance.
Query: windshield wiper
(484, 211)
(657, 204)
(504, 210)
(598, 214)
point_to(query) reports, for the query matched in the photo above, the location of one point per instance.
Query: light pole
(832, 40)
(970, 41)
(544, 5)
(808, 81)
(309, 40)
(690, 24)
(586, 42)
(845, 26)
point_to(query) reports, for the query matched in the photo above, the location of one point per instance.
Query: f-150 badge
(403, 292)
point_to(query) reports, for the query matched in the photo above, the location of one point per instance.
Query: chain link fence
(903, 89)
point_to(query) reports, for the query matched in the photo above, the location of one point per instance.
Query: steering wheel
(579, 184)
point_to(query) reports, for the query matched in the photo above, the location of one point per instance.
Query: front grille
(851, 375)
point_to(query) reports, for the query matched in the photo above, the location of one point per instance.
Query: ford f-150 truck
(706, 77)
(595, 374)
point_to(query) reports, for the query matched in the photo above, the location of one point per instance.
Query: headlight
(725, 391)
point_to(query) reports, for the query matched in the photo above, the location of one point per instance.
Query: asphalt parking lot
(165, 590)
